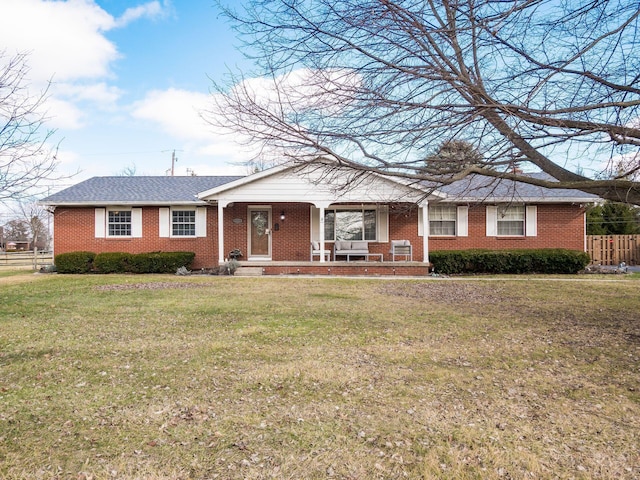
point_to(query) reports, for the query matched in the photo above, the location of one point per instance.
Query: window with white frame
(180, 222)
(511, 221)
(442, 220)
(350, 224)
(183, 223)
(119, 223)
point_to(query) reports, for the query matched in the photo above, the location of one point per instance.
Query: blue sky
(129, 78)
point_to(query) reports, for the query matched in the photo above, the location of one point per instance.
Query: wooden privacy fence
(614, 249)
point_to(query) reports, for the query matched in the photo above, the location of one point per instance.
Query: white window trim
(461, 222)
(102, 222)
(382, 220)
(165, 221)
(530, 222)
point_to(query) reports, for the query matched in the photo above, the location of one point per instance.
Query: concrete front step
(248, 272)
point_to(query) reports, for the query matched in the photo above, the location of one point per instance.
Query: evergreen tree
(613, 218)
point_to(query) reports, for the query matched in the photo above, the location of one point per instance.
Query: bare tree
(128, 171)
(26, 159)
(376, 85)
(35, 218)
(31, 224)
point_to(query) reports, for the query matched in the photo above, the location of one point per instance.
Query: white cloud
(148, 10)
(67, 46)
(62, 114)
(102, 94)
(301, 89)
(65, 39)
(176, 111)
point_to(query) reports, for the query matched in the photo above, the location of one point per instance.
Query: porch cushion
(342, 245)
(315, 245)
(360, 246)
(400, 243)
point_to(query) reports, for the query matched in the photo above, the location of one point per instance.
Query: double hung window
(442, 220)
(511, 221)
(119, 223)
(183, 223)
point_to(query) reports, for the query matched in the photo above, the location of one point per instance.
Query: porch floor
(340, 268)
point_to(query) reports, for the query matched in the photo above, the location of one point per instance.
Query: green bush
(112, 262)
(120, 262)
(74, 262)
(160, 262)
(509, 261)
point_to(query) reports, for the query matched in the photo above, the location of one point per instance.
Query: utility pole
(173, 162)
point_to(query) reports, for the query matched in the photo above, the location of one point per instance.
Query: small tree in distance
(451, 157)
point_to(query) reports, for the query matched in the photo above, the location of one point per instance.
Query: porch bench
(348, 249)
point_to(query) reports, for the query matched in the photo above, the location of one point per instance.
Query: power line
(121, 153)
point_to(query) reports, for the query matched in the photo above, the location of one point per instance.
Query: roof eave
(98, 203)
(512, 199)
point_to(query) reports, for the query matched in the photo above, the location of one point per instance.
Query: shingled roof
(157, 190)
(478, 188)
(137, 190)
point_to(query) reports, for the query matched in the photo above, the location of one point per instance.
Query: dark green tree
(613, 218)
(451, 157)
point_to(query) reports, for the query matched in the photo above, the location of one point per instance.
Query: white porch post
(322, 257)
(322, 207)
(221, 206)
(425, 229)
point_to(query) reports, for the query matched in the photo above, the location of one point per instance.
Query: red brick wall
(289, 242)
(559, 226)
(74, 230)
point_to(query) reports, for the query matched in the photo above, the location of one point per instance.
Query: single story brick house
(283, 218)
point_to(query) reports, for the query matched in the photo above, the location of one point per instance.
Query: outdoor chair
(401, 248)
(315, 251)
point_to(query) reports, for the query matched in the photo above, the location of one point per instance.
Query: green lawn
(311, 378)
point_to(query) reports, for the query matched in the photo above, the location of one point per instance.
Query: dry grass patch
(214, 377)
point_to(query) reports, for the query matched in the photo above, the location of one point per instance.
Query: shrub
(120, 262)
(112, 262)
(74, 262)
(509, 261)
(160, 262)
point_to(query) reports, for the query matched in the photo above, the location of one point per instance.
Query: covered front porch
(277, 219)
